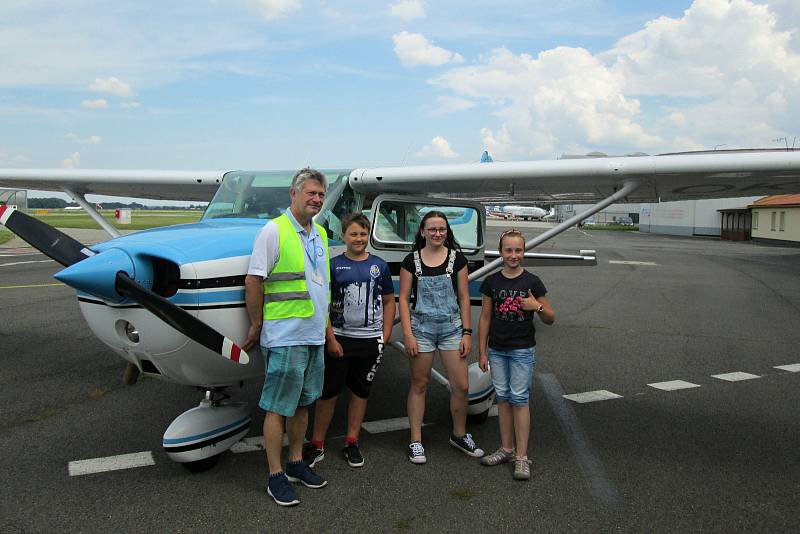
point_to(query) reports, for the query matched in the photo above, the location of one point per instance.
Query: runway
(665, 400)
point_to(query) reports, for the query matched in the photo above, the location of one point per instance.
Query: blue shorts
(443, 333)
(512, 373)
(294, 377)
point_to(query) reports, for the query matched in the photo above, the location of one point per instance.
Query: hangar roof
(776, 200)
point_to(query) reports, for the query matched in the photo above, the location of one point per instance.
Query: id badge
(317, 278)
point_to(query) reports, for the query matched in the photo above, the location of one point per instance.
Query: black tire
(201, 466)
(478, 418)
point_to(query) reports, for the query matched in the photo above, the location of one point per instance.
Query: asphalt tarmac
(719, 457)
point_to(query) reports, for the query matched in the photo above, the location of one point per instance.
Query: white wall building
(776, 219)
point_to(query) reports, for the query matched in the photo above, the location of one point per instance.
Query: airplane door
(395, 221)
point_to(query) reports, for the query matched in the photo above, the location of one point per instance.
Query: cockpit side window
(341, 200)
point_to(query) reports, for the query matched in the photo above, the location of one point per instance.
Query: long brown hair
(449, 241)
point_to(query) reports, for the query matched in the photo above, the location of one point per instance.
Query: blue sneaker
(299, 471)
(281, 491)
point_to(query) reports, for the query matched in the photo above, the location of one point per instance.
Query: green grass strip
(5, 236)
(140, 219)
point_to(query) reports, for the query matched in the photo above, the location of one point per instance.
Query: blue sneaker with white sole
(281, 491)
(299, 471)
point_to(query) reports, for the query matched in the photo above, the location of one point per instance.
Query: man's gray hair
(308, 174)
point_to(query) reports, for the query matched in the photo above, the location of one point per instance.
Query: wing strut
(88, 208)
(627, 188)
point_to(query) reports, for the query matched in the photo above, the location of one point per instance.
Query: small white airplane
(170, 300)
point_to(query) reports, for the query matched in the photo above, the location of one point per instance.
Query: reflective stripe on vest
(285, 290)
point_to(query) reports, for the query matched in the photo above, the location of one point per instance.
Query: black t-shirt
(408, 264)
(511, 327)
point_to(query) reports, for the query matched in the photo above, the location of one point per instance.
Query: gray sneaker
(498, 457)
(522, 469)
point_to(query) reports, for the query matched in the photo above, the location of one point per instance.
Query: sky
(280, 84)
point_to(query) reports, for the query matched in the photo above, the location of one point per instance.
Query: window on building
(755, 220)
(772, 222)
(782, 224)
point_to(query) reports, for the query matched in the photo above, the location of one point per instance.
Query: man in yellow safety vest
(287, 293)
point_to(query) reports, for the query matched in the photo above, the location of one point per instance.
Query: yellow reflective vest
(285, 290)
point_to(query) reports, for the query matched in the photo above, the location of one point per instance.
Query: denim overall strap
(451, 261)
(436, 298)
(417, 265)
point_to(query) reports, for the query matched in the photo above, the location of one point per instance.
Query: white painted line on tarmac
(735, 377)
(24, 262)
(792, 367)
(600, 486)
(672, 385)
(110, 463)
(592, 396)
(620, 262)
(387, 425)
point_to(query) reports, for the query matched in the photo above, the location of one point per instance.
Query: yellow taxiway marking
(32, 285)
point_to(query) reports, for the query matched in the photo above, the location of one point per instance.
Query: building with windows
(776, 219)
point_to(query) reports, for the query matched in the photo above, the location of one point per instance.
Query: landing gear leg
(131, 375)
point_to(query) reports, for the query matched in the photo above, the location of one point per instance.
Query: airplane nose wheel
(198, 436)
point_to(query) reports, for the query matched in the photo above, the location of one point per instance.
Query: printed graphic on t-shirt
(508, 305)
(356, 296)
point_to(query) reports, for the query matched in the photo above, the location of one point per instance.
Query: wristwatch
(540, 309)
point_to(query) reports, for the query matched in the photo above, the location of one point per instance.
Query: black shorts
(356, 369)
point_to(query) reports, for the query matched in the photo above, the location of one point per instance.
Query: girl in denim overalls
(438, 318)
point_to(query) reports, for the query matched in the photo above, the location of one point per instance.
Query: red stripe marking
(3, 210)
(235, 352)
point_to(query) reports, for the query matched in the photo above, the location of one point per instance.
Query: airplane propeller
(68, 252)
(48, 240)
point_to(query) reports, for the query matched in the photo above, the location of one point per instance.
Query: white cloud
(273, 9)
(130, 105)
(141, 51)
(408, 9)
(438, 147)
(715, 45)
(112, 85)
(99, 103)
(722, 73)
(413, 50)
(91, 140)
(561, 99)
(72, 161)
(451, 104)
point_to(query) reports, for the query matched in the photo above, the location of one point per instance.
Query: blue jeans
(512, 373)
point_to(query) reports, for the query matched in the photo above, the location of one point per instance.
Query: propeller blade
(180, 320)
(43, 237)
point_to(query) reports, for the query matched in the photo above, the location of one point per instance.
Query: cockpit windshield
(258, 194)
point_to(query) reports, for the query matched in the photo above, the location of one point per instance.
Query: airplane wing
(691, 175)
(159, 185)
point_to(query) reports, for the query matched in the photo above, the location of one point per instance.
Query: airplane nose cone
(96, 274)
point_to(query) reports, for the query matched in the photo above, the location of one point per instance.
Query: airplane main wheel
(477, 418)
(199, 466)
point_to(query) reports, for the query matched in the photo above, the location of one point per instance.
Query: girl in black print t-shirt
(512, 297)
